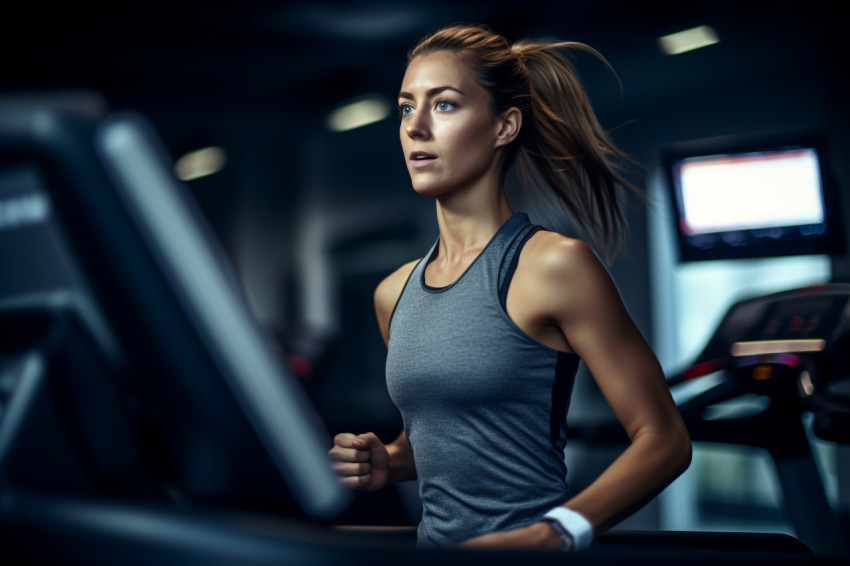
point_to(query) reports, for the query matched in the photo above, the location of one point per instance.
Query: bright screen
(744, 192)
(732, 201)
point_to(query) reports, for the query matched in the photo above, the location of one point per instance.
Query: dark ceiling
(258, 77)
(263, 54)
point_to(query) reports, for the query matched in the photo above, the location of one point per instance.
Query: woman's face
(448, 132)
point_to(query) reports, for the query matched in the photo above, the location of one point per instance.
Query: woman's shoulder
(564, 274)
(553, 254)
(562, 278)
(389, 290)
(564, 268)
(393, 283)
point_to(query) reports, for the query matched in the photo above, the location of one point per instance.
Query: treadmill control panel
(802, 320)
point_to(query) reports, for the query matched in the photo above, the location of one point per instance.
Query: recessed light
(358, 114)
(200, 163)
(688, 40)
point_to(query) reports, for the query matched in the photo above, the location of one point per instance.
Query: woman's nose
(417, 126)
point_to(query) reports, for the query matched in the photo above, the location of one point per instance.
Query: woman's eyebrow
(430, 92)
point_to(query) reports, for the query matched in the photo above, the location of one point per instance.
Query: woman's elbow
(681, 450)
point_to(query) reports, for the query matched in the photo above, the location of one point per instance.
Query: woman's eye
(405, 110)
(444, 105)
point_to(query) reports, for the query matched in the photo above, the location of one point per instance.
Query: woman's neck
(467, 225)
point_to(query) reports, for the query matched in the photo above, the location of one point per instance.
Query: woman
(485, 333)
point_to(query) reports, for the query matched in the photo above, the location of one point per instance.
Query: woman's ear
(510, 123)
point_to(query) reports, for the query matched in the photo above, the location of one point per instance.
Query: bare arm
(386, 296)
(401, 460)
(600, 330)
(363, 461)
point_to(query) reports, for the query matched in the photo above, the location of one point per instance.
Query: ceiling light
(358, 114)
(200, 163)
(688, 40)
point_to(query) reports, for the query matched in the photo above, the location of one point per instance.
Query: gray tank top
(484, 405)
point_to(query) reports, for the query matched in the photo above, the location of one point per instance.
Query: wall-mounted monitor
(764, 198)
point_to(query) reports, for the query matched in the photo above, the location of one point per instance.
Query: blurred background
(314, 211)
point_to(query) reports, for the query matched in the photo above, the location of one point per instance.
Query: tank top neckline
(517, 218)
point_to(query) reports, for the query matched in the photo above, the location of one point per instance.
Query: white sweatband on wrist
(576, 531)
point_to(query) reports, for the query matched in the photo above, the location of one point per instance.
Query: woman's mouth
(422, 159)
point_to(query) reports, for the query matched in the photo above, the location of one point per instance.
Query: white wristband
(573, 527)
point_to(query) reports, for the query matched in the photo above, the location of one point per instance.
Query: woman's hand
(539, 536)
(362, 461)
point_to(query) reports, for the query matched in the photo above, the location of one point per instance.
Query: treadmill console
(811, 319)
